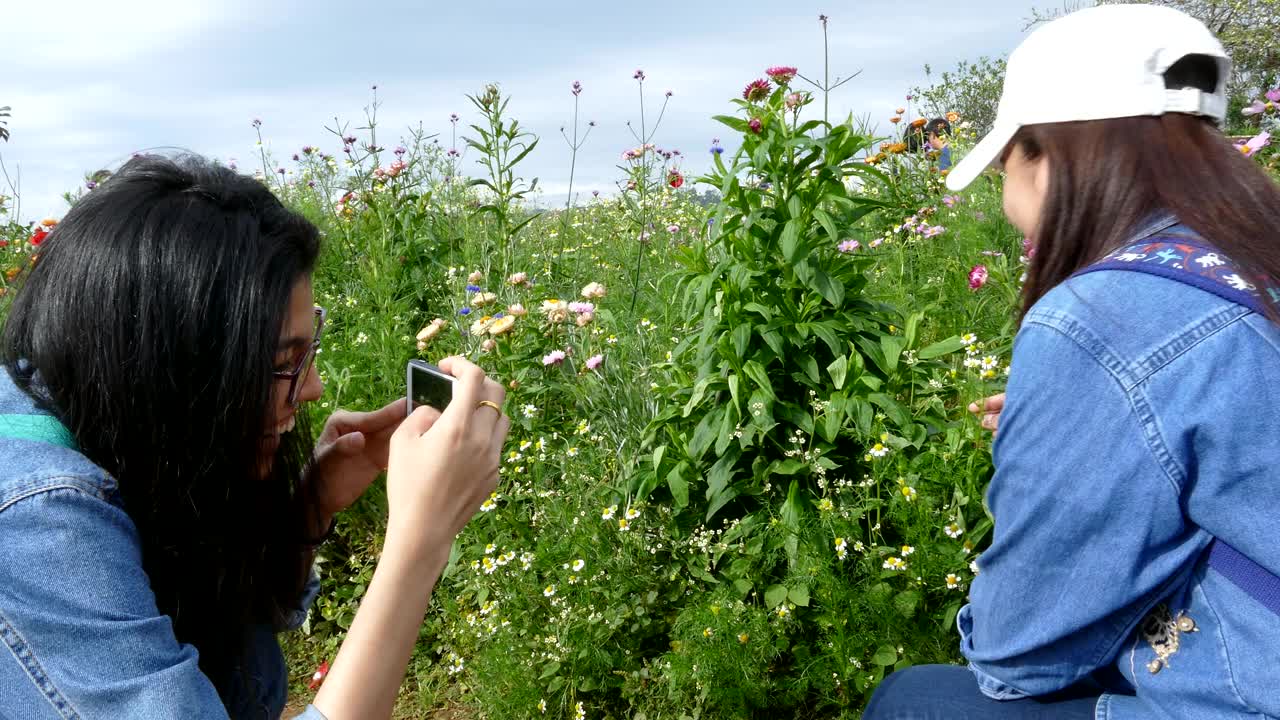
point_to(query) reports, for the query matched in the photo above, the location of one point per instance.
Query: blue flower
(716, 149)
(473, 288)
(497, 315)
(464, 311)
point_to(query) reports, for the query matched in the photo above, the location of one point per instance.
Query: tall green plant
(795, 377)
(502, 145)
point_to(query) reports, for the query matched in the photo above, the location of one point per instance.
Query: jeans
(950, 692)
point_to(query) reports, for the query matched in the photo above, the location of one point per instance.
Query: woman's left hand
(350, 453)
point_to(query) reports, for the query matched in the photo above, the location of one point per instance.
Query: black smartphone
(427, 385)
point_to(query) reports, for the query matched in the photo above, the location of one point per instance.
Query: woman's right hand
(443, 466)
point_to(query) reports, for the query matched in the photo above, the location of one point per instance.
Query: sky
(92, 82)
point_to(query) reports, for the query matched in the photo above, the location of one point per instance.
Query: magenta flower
(555, 357)
(849, 246)
(781, 74)
(978, 277)
(1274, 95)
(639, 75)
(755, 125)
(756, 90)
(595, 361)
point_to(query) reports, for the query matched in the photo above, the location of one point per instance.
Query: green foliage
(971, 88)
(4, 120)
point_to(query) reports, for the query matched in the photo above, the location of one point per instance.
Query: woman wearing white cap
(1133, 572)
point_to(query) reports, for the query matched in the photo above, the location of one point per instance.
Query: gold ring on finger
(489, 403)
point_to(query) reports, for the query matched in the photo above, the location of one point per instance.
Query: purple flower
(933, 231)
(311, 183)
(464, 311)
(555, 357)
(1257, 108)
(400, 150)
(296, 158)
(257, 123)
(639, 75)
(595, 193)
(669, 93)
(754, 125)
(473, 288)
(591, 123)
(716, 149)
(1274, 95)
(350, 140)
(950, 200)
(577, 88)
(595, 361)
(849, 246)
(453, 118)
(90, 185)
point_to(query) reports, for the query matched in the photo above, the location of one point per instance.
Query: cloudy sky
(90, 82)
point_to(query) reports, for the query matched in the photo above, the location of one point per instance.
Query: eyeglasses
(297, 377)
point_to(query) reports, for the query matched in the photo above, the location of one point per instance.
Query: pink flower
(639, 75)
(555, 357)
(849, 246)
(595, 361)
(1258, 142)
(978, 277)
(1028, 248)
(755, 125)
(756, 90)
(582, 307)
(1257, 108)
(673, 228)
(950, 200)
(518, 278)
(933, 231)
(1274, 95)
(781, 74)
(795, 100)
(875, 243)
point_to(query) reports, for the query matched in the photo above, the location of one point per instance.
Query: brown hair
(1107, 176)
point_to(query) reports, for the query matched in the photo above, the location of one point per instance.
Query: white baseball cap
(1095, 64)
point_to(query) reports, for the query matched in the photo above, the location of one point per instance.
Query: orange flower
(900, 110)
(48, 222)
(898, 148)
(953, 117)
(895, 119)
(919, 123)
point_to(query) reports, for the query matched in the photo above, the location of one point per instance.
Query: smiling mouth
(286, 426)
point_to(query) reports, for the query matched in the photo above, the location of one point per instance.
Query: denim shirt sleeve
(1082, 509)
(80, 621)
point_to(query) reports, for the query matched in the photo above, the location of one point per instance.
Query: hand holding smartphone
(427, 385)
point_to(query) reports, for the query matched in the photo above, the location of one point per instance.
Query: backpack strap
(1192, 262)
(37, 428)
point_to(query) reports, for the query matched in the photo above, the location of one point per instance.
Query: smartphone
(427, 385)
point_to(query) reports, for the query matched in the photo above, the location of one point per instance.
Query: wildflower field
(741, 480)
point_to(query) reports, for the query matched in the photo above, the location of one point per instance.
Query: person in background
(1133, 571)
(161, 495)
(938, 135)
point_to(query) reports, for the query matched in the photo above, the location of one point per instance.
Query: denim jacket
(1140, 424)
(80, 634)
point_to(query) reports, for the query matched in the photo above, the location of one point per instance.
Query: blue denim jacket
(1140, 424)
(79, 630)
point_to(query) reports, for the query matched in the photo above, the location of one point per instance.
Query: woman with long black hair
(160, 496)
(1134, 572)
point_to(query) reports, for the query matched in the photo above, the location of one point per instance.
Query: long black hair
(149, 326)
(1107, 176)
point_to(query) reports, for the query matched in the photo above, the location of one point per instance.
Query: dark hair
(914, 138)
(1106, 177)
(149, 327)
(938, 126)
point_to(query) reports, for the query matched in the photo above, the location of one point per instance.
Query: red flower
(319, 675)
(755, 125)
(756, 90)
(977, 277)
(39, 236)
(675, 179)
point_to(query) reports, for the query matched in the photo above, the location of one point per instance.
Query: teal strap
(36, 428)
